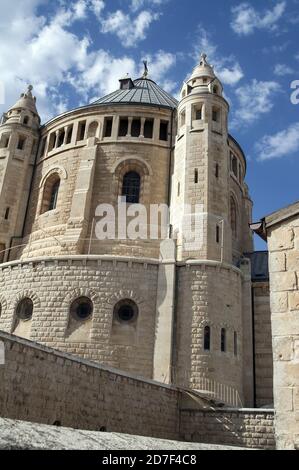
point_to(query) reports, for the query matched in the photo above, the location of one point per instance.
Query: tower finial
(29, 90)
(203, 57)
(145, 73)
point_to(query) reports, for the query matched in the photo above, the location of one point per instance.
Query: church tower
(201, 168)
(210, 215)
(19, 136)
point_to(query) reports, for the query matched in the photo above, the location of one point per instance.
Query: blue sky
(74, 52)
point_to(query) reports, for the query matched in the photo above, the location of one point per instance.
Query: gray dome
(144, 92)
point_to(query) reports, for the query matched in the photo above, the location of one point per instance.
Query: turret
(19, 136)
(201, 166)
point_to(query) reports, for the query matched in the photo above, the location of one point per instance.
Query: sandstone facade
(161, 307)
(282, 232)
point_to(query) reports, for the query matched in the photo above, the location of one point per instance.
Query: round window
(126, 311)
(82, 308)
(25, 309)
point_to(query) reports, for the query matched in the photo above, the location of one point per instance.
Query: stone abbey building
(196, 316)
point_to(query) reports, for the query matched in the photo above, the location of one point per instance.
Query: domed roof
(141, 91)
(203, 69)
(26, 101)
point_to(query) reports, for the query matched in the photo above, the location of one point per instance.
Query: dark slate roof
(145, 92)
(259, 265)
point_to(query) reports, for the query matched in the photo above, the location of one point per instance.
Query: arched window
(234, 165)
(215, 89)
(92, 129)
(207, 338)
(54, 195)
(24, 309)
(235, 343)
(233, 216)
(26, 120)
(131, 187)
(126, 311)
(183, 118)
(50, 195)
(223, 340)
(82, 308)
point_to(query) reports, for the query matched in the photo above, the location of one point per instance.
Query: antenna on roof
(145, 73)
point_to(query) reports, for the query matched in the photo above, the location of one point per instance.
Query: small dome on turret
(26, 101)
(202, 80)
(203, 69)
(23, 111)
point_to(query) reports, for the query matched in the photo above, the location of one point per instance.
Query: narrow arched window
(207, 338)
(234, 165)
(26, 120)
(131, 187)
(233, 216)
(50, 195)
(235, 343)
(54, 195)
(223, 340)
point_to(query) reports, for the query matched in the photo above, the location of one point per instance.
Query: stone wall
(53, 284)
(39, 384)
(283, 242)
(247, 427)
(263, 356)
(209, 294)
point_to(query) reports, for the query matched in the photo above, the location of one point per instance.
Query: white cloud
(43, 51)
(246, 19)
(159, 64)
(137, 4)
(254, 100)
(128, 30)
(282, 144)
(227, 68)
(282, 69)
(97, 6)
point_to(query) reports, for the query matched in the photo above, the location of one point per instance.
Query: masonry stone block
(283, 281)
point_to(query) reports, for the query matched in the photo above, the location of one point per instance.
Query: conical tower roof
(26, 101)
(203, 69)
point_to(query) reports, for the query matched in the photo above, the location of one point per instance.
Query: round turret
(24, 111)
(202, 80)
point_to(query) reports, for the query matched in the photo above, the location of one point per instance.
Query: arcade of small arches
(136, 127)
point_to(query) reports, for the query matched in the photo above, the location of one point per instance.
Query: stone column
(81, 202)
(165, 313)
(65, 134)
(247, 336)
(57, 139)
(142, 127)
(130, 120)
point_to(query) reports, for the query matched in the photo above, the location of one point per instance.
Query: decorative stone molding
(124, 294)
(26, 293)
(60, 170)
